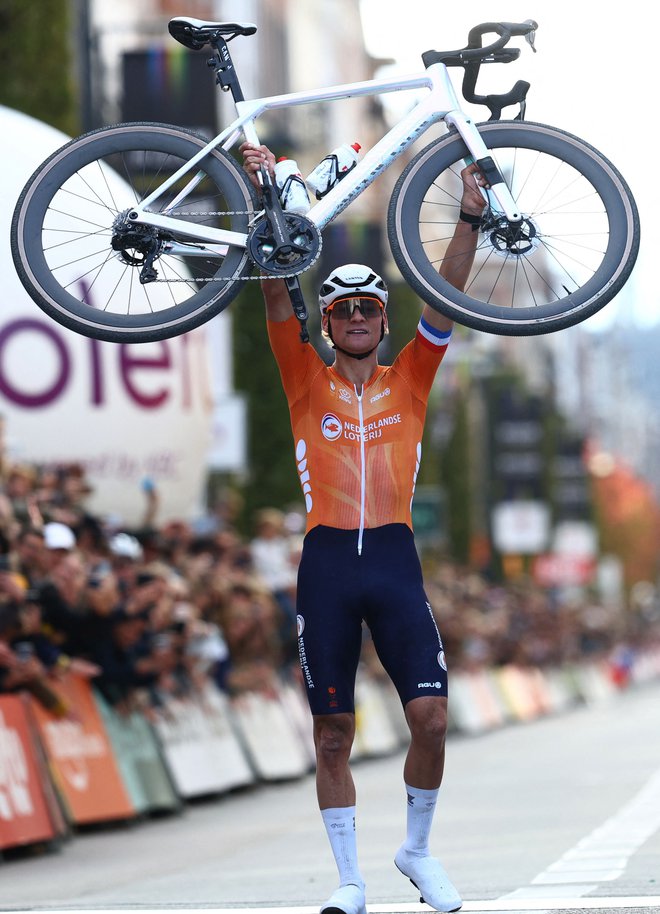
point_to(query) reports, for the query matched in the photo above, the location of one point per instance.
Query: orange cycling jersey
(357, 450)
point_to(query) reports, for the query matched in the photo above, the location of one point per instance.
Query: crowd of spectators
(158, 610)
(145, 612)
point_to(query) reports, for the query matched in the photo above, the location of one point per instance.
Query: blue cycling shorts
(339, 589)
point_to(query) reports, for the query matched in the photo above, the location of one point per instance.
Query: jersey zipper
(363, 469)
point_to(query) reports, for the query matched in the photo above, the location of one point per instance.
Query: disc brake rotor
(512, 238)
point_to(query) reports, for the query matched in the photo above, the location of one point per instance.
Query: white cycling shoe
(347, 899)
(428, 875)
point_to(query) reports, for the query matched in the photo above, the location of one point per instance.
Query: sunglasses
(344, 309)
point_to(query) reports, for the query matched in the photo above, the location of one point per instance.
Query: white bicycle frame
(441, 104)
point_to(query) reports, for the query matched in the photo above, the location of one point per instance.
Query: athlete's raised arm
(276, 296)
(460, 252)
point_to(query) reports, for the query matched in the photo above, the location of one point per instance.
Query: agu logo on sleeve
(331, 426)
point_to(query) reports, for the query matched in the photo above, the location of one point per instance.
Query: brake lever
(530, 37)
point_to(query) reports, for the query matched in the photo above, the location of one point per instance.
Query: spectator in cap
(60, 592)
(58, 587)
(125, 555)
(58, 537)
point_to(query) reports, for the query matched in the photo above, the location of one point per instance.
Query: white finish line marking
(604, 854)
(617, 903)
(620, 903)
(600, 857)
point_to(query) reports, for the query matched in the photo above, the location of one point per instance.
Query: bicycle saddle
(197, 33)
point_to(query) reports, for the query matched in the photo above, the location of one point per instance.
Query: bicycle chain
(260, 276)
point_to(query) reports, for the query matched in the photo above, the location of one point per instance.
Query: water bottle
(333, 168)
(292, 191)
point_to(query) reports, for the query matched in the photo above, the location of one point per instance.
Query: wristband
(474, 221)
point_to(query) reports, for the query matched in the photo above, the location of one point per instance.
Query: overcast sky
(595, 74)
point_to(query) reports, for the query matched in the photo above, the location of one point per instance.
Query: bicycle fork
(480, 155)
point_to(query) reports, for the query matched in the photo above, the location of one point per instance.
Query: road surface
(558, 815)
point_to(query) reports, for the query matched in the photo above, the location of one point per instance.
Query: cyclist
(357, 430)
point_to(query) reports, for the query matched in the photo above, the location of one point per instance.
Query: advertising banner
(563, 570)
(81, 757)
(521, 526)
(126, 412)
(269, 736)
(200, 745)
(142, 766)
(24, 817)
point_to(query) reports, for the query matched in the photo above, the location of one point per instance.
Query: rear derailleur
(138, 245)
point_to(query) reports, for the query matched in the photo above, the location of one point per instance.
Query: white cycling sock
(421, 807)
(340, 826)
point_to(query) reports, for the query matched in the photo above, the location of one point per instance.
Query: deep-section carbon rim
(577, 246)
(70, 210)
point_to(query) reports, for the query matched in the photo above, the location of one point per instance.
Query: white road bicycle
(139, 232)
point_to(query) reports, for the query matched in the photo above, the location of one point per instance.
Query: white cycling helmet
(352, 280)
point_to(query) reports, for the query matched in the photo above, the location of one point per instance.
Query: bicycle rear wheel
(66, 218)
(577, 247)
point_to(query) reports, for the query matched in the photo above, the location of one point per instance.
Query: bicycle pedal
(421, 900)
(417, 887)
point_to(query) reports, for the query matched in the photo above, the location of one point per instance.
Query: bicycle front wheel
(573, 251)
(80, 264)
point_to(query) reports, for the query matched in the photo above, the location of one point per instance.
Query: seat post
(225, 73)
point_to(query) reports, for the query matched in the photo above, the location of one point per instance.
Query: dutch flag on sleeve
(432, 337)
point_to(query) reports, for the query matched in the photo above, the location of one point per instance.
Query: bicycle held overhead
(142, 231)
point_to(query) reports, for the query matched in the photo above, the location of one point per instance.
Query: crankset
(284, 245)
(291, 255)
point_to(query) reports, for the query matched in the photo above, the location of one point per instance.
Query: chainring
(300, 250)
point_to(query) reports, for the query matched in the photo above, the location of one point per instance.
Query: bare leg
(333, 738)
(427, 719)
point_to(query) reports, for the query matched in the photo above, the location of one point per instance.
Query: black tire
(62, 229)
(582, 231)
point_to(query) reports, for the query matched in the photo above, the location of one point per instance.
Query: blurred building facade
(597, 387)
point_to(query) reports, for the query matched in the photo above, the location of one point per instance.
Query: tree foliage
(35, 61)
(271, 474)
(455, 475)
(628, 517)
